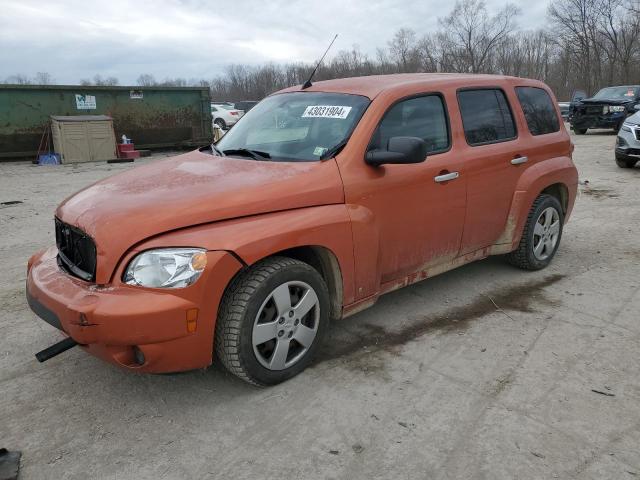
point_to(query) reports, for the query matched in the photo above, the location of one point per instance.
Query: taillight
(233, 113)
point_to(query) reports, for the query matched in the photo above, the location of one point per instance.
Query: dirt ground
(485, 372)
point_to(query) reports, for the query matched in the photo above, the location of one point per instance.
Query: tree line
(587, 44)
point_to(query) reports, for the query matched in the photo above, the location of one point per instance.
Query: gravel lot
(484, 372)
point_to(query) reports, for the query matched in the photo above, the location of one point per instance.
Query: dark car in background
(606, 109)
(245, 105)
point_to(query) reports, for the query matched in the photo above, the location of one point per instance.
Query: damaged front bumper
(137, 328)
(612, 120)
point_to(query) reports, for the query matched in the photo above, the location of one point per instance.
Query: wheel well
(560, 191)
(326, 263)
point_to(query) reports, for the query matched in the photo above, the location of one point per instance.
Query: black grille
(76, 251)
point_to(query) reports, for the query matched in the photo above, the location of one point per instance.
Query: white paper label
(85, 102)
(319, 151)
(326, 111)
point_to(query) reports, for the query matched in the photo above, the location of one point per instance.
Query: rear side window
(486, 116)
(422, 117)
(538, 110)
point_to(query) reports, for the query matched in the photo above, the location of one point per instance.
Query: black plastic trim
(43, 312)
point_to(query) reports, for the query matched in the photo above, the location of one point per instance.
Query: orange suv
(316, 203)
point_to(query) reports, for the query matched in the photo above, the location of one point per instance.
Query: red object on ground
(127, 150)
(126, 147)
(130, 154)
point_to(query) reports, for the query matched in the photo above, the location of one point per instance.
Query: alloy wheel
(546, 233)
(286, 325)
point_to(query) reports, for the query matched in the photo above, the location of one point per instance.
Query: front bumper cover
(110, 320)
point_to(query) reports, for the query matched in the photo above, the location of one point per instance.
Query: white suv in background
(225, 115)
(628, 142)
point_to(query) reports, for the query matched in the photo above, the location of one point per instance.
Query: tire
(579, 131)
(527, 256)
(221, 123)
(249, 312)
(625, 162)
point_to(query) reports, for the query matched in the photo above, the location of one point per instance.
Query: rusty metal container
(153, 117)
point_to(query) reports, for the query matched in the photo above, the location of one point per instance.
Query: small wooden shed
(83, 138)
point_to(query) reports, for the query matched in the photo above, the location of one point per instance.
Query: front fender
(256, 237)
(532, 182)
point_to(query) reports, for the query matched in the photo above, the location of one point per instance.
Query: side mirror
(399, 150)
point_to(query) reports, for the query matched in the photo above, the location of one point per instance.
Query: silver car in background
(628, 142)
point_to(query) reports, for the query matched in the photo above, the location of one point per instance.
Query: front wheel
(541, 235)
(271, 320)
(579, 131)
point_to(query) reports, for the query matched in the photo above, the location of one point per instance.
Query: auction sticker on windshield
(326, 111)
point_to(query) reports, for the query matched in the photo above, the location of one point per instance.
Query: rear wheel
(541, 235)
(579, 131)
(625, 162)
(272, 319)
(221, 123)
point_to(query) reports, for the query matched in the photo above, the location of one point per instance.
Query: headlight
(617, 108)
(166, 268)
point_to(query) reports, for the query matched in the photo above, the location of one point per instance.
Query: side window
(422, 117)
(538, 110)
(486, 116)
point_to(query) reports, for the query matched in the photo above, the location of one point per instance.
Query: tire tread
(232, 307)
(520, 256)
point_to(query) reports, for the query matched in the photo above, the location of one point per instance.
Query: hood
(633, 119)
(604, 101)
(191, 189)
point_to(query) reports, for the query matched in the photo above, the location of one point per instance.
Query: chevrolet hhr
(314, 204)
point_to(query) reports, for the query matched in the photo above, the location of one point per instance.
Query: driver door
(417, 217)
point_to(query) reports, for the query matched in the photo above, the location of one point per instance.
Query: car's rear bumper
(112, 321)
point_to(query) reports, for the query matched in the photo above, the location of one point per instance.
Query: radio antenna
(308, 83)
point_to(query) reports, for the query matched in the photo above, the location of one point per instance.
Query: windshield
(618, 93)
(297, 126)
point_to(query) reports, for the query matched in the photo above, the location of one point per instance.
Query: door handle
(446, 177)
(519, 160)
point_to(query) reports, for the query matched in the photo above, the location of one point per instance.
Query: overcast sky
(75, 39)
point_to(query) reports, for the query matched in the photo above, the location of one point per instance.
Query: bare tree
(403, 50)
(470, 33)
(146, 80)
(18, 79)
(43, 78)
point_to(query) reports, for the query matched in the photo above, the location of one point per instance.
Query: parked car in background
(628, 142)
(225, 115)
(606, 109)
(564, 110)
(320, 201)
(245, 105)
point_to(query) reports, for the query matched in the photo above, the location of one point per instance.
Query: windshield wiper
(215, 149)
(334, 151)
(255, 154)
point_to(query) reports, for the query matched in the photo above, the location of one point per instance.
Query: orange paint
(386, 227)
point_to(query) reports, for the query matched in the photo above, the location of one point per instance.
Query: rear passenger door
(494, 162)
